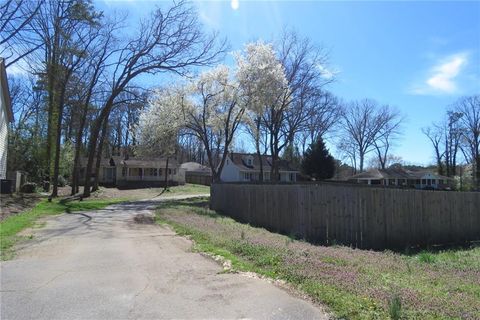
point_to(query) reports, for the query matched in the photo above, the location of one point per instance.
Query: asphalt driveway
(109, 267)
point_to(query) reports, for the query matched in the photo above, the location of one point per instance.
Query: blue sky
(417, 56)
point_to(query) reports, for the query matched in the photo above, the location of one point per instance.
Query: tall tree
(262, 82)
(435, 135)
(367, 126)
(469, 122)
(170, 40)
(16, 41)
(317, 161)
(305, 72)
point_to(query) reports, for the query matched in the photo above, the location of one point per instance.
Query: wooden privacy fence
(364, 217)
(197, 178)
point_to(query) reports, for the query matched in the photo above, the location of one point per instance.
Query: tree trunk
(56, 167)
(257, 145)
(99, 155)
(92, 144)
(78, 147)
(166, 174)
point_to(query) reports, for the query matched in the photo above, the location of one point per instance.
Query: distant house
(246, 167)
(403, 178)
(137, 173)
(6, 116)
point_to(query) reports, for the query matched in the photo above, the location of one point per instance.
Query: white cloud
(442, 77)
(327, 73)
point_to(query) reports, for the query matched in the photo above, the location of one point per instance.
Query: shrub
(426, 257)
(62, 182)
(28, 187)
(395, 307)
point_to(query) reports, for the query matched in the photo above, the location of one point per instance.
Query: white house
(242, 167)
(137, 173)
(6, 116)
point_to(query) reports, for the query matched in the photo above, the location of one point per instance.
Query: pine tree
(317, 161)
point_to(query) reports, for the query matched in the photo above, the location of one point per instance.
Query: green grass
(353, 284)
(11, 226)
(188, 189)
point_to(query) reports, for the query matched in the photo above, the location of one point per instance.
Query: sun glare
(235, 4)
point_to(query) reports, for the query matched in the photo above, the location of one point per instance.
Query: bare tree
(170, 41)
(446, 138)
(92, 71)
(391, 121)
(305, 73)
(452, 135)
(323, 118)
(435, 135)
(67, 29)
(469, 122)
(15, 29)
(367, 126)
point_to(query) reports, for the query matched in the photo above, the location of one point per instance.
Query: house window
(247, 176)
(174, 171)
(424, 181)
(292, 176)
(169, 171)
(159, 172)
(124, 171)
(152, 172)
(391, 182)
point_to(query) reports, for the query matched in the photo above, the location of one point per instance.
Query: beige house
(399, 177)
(6, 116)
(138, 173)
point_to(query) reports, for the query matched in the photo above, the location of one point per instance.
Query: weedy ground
(353, 283)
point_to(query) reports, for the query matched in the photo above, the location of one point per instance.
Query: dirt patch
(16, 203)
(143, 219)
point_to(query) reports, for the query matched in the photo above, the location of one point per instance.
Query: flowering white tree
(213, 114)
(262, 83)
(207, 108)
(160, 124)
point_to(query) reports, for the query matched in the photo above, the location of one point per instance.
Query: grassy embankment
(11, 226)
(353, 284)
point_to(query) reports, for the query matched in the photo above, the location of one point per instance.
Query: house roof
(195, 167)
(148, 163)
(5, 91)
(133, 162)
(393, 173)
(241, 161)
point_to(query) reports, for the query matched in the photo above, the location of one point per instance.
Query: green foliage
(11, 226)
(426, 257)
(317, 161)
(293, 156)
(67, 154)
(395, 307)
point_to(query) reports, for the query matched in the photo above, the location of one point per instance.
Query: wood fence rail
(363, 217)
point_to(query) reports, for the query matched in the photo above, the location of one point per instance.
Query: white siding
(230, 172)
(3, 137)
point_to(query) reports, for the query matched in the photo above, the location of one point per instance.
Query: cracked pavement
(109, 267)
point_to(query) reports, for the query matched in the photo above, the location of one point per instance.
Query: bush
(28, 187)
(395, 307)
(62, 182)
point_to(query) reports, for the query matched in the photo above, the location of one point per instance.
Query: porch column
(128, 173)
